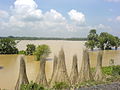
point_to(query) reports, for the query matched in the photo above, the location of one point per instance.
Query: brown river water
(9, 64)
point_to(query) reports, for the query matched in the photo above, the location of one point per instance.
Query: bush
(111, 70)
(107, 70)
(22, 52)
(116, 70)
(60, 86)
(30, 49)
(42, 51)
(8, 46)
(32, 86)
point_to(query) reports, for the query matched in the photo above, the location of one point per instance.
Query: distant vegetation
(45, 38)
(104, 41)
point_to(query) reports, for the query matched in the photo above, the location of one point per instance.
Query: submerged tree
(74, 71)
(85, 73)
(61, 72)
(98, 72)
(22, 75)
(55, 66)
(42, 52)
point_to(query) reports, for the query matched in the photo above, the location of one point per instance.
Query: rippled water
(9, 64)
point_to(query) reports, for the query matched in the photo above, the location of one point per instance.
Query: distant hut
(22, 79)
(85, 73)
(41, 77)
(61, 72)
(55, 64)
(74, 71)
(98, 73)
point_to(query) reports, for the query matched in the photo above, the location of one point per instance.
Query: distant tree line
(104, 41)
(44, 38)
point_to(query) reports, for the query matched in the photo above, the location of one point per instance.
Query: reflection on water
(10, 63)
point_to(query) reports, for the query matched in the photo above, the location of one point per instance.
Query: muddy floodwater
(9, 64)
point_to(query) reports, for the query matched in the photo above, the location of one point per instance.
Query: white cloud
(103, 27)
(53, 15)
(3, 14)
(28, 20)
(118, 18)
(26, 10)
(77, 16)
(24, 6)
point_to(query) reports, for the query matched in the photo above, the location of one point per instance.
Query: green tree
(117, 43)
(92, 39)
(8, 46)
(102, 40)
(106, 41)
(92, 35)
(30, 49)
(42, 51)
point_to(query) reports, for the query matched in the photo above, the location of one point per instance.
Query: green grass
(90, 83)
(32, 86)
(60, 86)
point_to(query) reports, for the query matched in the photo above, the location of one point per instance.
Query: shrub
(22, 52)
(30, 49)
(115, 70)
(107, 70)
(60, 85)
(32, 86)
(42, 51)
(110, 70)
(8, 46)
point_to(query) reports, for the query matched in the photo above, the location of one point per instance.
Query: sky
(58, 18)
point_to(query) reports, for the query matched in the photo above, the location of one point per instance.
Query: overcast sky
(58, 18)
